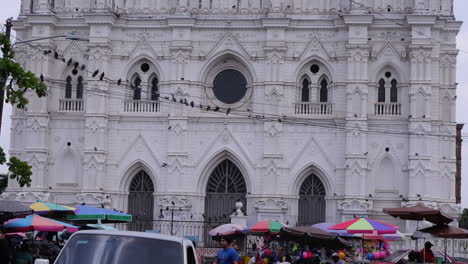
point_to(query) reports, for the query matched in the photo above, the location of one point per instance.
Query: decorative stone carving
(177, 126)
(450, 209)
(271, 205)
(95, 159)
(355, 205)
(38, 122)
(28, 197)
(96, 199)
(273, 128)
(94, 124)
(175, 202)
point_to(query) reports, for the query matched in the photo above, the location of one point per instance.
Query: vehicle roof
(132, 234)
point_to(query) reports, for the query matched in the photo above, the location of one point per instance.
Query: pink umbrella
(226, 230)
(37, 223)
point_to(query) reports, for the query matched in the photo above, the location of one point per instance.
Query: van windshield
(106, 249)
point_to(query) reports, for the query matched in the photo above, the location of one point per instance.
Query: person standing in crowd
(23, 255)
(5, 251)
(336, 259)
(426, 253)
(227, 255)
(286, 260)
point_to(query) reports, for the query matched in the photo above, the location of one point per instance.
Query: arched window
(381, 91)
(323, 91)
(154, 89)
(305, 90)
(68, 88)
(79, 88)
(394, 92)
(136, 86)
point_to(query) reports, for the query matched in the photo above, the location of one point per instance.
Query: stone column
(420, 92)
(96, 116)
(356, 190)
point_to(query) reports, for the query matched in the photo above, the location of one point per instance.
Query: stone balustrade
(141, 106)
(387, 109)
(71, 105)
(313, 109)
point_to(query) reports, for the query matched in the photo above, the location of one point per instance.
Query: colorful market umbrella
(226, 230)
(326, 227)
(267, 226)
(388, 237)
(37, 223)
(46, 208)
(364, 225)
(89, 213)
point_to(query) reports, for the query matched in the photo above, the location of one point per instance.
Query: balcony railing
(71, 105)
(141, 106)
(313, 109)
(388, 109)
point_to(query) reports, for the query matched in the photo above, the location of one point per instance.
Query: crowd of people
(24, 251)
(230, 254)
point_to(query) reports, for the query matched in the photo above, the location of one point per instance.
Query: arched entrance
(141, 202)
(225, 186)
(311, 201)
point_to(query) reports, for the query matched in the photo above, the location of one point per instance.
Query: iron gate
(225, 187)
(311, 201)
(141, 202)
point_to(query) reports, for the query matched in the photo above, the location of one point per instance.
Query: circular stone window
(229, 86)
(314, 68)
(388, 74)
(145, 67)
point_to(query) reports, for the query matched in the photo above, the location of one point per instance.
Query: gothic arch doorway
(311, 201)
(141, 202)
(225, 186)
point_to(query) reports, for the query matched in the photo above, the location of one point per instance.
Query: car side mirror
(41, 261)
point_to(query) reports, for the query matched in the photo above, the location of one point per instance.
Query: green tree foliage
(17, 83)
(464, 219)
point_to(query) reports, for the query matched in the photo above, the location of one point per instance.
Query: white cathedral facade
(336, 108)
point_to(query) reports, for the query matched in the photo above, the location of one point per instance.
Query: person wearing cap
(227, 255)
(426, 253)
(336, 259)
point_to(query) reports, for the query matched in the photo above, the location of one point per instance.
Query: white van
(122, 247)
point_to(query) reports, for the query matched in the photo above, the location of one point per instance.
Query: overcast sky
(12, 9)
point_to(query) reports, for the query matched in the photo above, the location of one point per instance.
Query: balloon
(342, 255)
(265, 261)
(370, 256)
(376, 255)
(267, 252)
(305, 255)
(310, 255)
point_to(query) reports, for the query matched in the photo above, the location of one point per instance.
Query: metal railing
(71, 105)
(387, 109)
(455, 247)
(313, 109)
(198, 230)
(141, 106)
